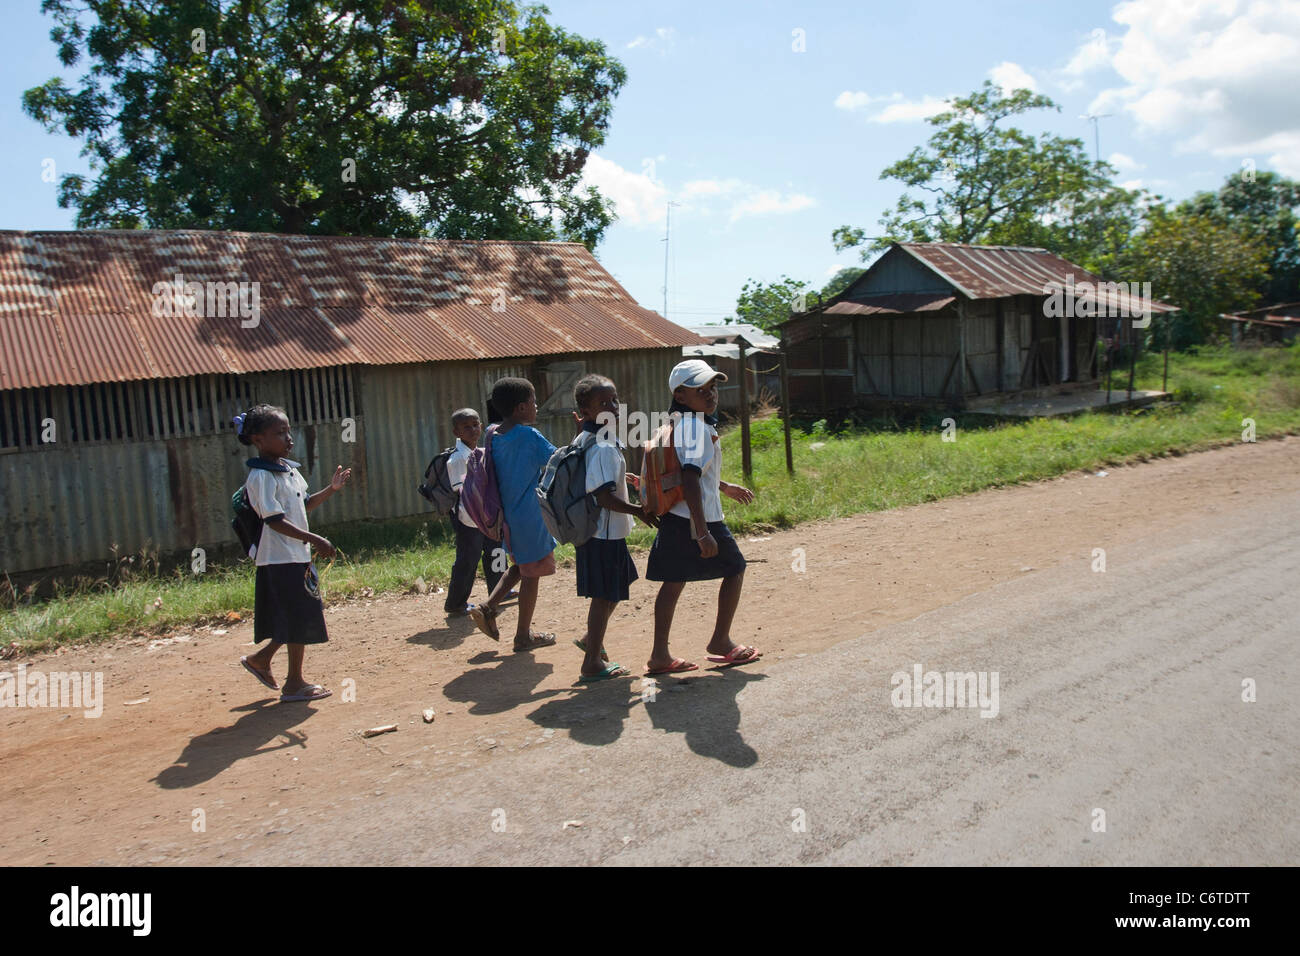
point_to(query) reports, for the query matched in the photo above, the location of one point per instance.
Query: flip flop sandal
(730, 657)
(266, 681)
(535, 641)
(310, 692)
(678, 666)
(582, 646)
(485, 618)
(611, 671)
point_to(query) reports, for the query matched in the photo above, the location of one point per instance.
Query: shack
(961, 326)
(124, 355)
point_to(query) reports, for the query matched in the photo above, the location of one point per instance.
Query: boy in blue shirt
(519, 454)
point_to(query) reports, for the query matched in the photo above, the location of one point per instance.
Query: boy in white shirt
(471, 544)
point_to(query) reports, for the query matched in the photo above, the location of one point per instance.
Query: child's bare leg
(508, 581)
(262, 659)
(728, 601)
(597, 620)
(527, 604)
(665, 607)
(294, 682)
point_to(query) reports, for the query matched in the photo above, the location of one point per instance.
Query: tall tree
(455, 118)
(1264, 205)
(980, 180)
(1198, 263)
(767, 304)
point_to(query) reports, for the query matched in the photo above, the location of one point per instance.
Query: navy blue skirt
(676, 555)
(287, 607)
(605, 569)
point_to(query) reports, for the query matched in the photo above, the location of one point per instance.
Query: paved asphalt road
(1119, 692)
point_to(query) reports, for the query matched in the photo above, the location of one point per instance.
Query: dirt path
(127, 787)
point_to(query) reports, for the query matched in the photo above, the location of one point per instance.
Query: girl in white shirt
(287, 608)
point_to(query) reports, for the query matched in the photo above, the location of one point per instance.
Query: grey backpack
(571, 515)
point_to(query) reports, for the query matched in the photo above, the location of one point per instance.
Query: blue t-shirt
(519, 456)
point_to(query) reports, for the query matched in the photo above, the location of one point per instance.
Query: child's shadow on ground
(593, 714)
(703, 709)
(451, 633)
(494, 690)
(208, 754)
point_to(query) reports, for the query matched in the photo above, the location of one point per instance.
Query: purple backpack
(479, 493)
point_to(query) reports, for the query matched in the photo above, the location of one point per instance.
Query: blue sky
(768, 147)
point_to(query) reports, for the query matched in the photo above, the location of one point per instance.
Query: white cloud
(908, 111)
(638, 199)
(1012, 76)
(661, 41)
(1094, 54)
(1124, 163)
(899, 110)
(767, 201)
(1217, 76)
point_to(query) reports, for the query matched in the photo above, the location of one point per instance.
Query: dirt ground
(185, 729)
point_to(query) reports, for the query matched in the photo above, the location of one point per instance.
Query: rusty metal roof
(893, 304)
(80, 307)
(994, 272)
(1283, 315)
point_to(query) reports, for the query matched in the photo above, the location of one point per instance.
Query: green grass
(858, 469)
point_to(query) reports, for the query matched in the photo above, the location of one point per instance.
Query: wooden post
(746, 463)
(821, 361)
(1110, 349)
(785, 408)
(1164, 386)
(1132, 364)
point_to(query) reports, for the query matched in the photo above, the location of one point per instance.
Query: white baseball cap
(693, 373)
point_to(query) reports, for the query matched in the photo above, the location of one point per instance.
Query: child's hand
(634, 480)
(324, 547)
(651, 520)
(708, 547)
(738, 492)
(340, 478)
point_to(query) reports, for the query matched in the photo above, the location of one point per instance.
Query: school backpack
(571, 515)
(437, 484)
(480, 494)
(246, 522)
(661, 472)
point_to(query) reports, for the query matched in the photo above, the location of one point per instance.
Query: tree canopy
(979, 180)
(456, 119)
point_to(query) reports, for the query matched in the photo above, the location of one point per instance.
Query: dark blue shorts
(676, 555)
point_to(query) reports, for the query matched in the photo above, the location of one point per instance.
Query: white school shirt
(457, 465)
(274, 493)
(605, 464)
(696, 443)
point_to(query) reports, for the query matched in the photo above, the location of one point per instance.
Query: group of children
(692, 541)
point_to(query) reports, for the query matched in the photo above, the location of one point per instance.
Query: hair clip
(238, 422)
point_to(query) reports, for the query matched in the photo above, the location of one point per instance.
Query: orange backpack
(661, 473)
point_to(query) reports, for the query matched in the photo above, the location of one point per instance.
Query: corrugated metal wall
(68, 504)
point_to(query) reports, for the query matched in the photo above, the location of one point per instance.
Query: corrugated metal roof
(79, 307)
(893, 304)
(1286, 313)
(994, 272)
(752, 334)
